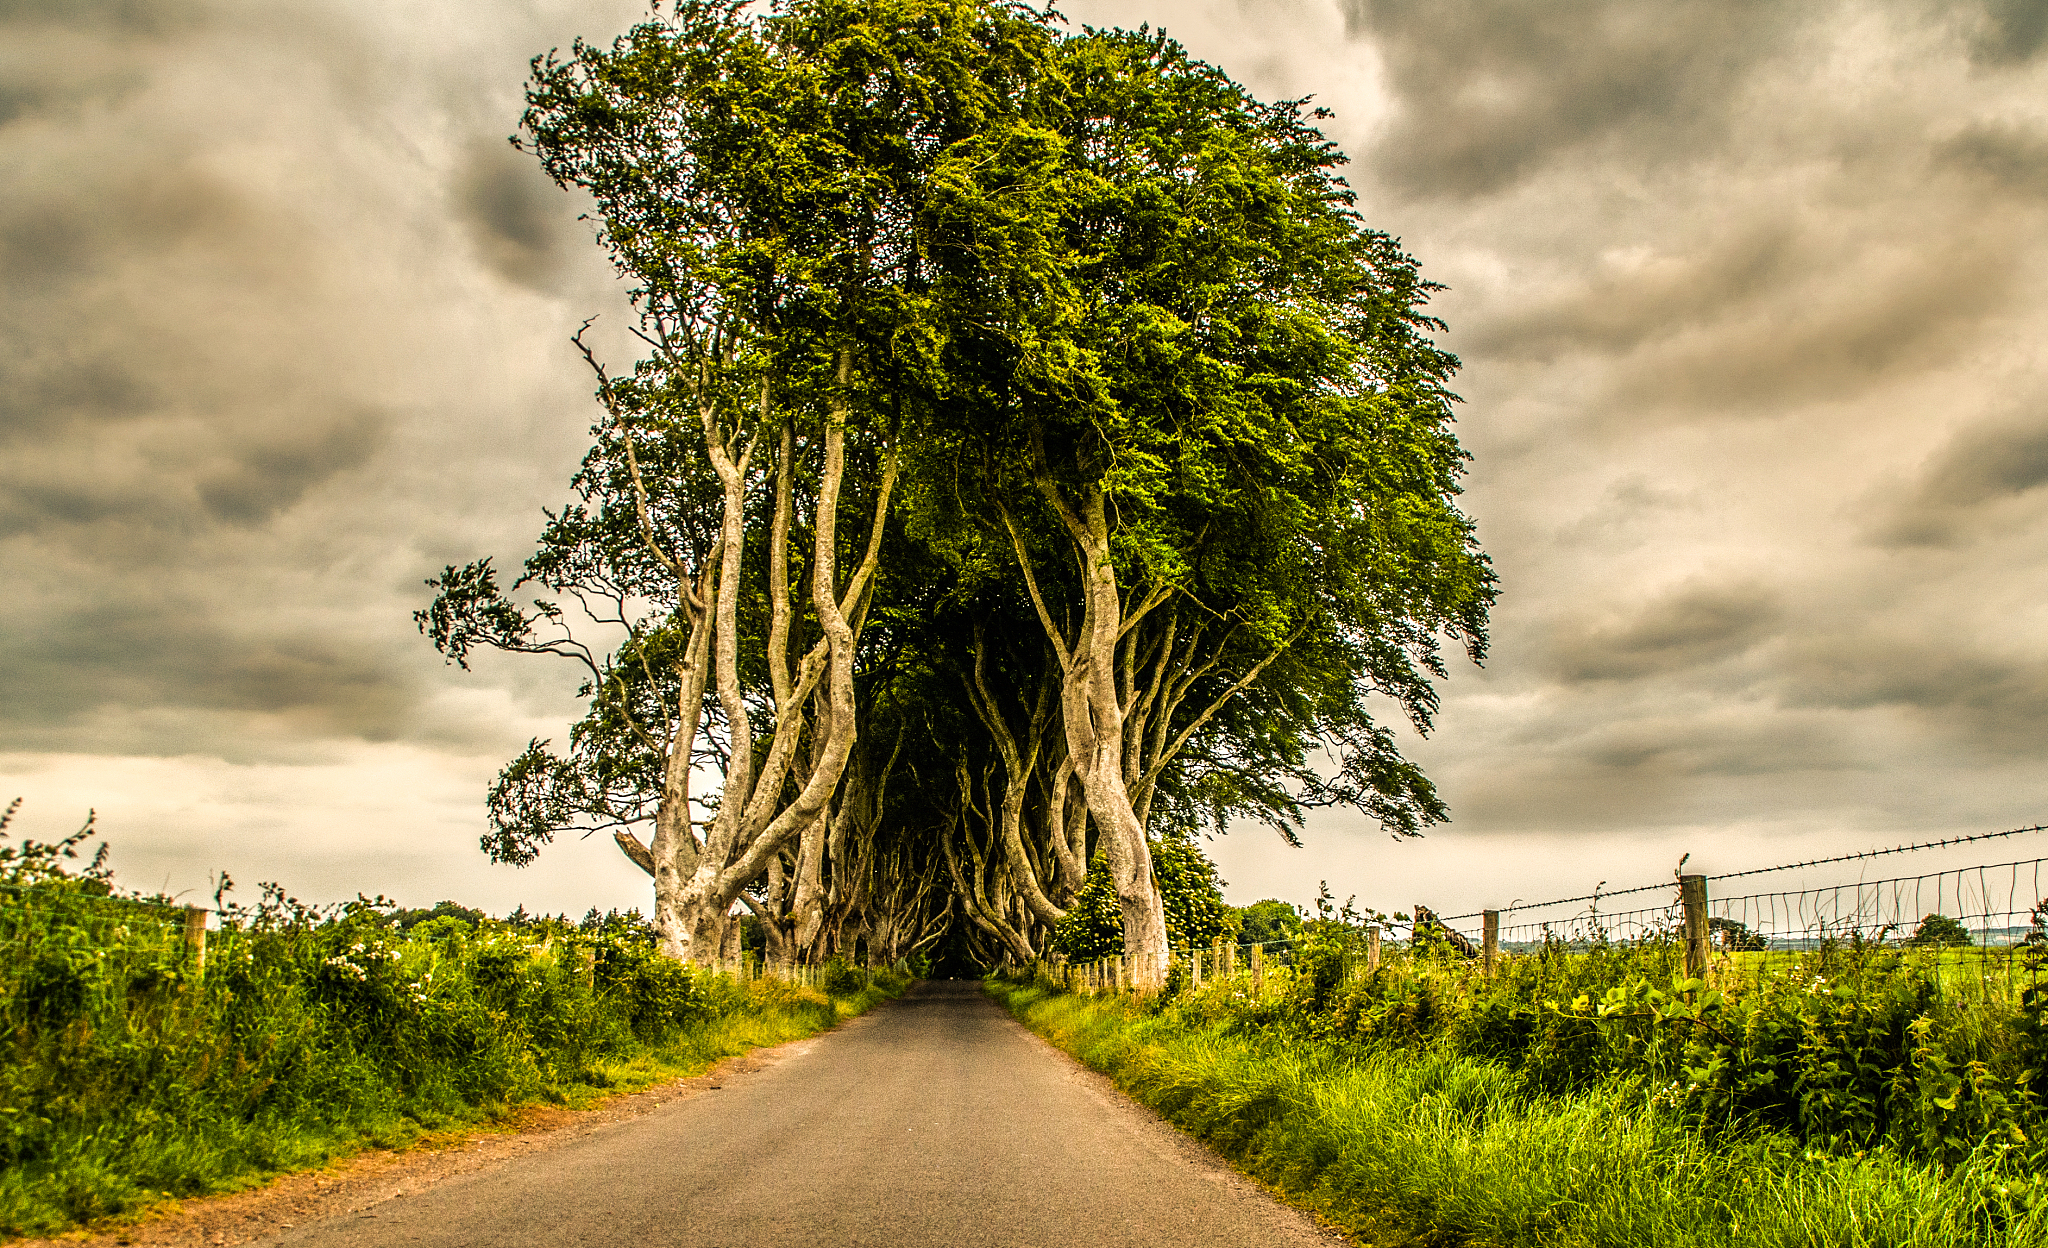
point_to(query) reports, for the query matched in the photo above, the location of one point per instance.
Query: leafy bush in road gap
(1189, 890)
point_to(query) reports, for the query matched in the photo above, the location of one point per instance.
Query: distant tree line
(1034, 463)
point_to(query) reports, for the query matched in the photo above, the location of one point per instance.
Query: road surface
(934, 1120)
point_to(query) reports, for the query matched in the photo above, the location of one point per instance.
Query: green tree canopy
(1269, 920)
(1939, 930)
(1141, 436)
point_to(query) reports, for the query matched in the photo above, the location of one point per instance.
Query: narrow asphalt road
(935, 1120)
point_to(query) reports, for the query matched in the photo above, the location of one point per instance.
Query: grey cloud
(275, 471)
(1880, 312)
(45, 385)
(61, 57)
(93, 327)
(1491, 90)
(180, 368)
(1627, 767)
(1624, 510)
(43, 77)
(1792, 308)
(1997, 702)
(176, 479)
(2012, 157)
(1692, 626)
(169, 655)
(1955, 491)
(37, 503)
(135, 17)
(1755, 745)
(2010, 32)
(514, 214)
(68, 233)
(1619, 309)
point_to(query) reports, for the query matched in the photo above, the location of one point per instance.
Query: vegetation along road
(934, 1120)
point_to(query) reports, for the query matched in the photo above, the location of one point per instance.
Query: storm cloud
(1686, 628)
(1750, 299)
(1492, 92)
(1969, 487)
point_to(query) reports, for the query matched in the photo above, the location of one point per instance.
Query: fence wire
(1991, 904)
(1971, 924)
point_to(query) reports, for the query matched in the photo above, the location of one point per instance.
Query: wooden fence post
(1489, 939)
(1259, 970)
(589, 969)
(1372, 949)
(1692, 895)
(195, 940)
(1220, 959)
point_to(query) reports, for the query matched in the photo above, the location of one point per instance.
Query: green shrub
(1188, 888)
(1934, 1053)
(842, 980)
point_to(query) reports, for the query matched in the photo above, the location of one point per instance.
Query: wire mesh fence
(1981, 927)
(1990, 906)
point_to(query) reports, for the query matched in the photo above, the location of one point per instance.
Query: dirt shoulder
(370, 1178)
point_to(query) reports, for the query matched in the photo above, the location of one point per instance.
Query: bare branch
(1052, 634)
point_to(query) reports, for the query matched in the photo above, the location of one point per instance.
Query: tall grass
(127, 1077)
(1424, 1145)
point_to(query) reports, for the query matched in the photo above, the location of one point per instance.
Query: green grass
(2000, 974)
(1429, 1147)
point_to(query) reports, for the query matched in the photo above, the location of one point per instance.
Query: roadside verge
(1407, 1148)
(695, 1061)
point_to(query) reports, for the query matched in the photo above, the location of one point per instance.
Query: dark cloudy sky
(1750, 299)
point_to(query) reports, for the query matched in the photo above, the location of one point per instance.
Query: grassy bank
(130, 1076)
(1422, 1145)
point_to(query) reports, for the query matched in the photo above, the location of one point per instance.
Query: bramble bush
(1415, 1144)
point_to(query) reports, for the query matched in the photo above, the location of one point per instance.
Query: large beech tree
(1218, 448)
(766, 182)
(1081, 330)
